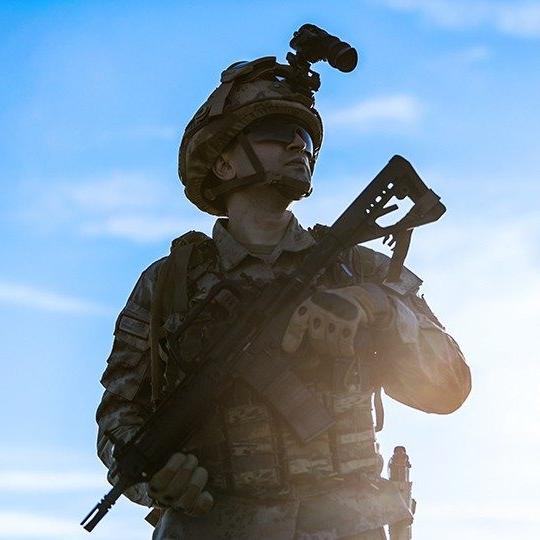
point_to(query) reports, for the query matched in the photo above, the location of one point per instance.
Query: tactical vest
(247, 449)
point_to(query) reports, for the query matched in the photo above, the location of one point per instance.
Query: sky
(94, 100)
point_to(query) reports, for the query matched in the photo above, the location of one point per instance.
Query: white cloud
(57, 202)
(471, 55)
(115, 191)
(472, 530)
(475, 472)
(138, 227)
(29, 296)
(518, 18)
(483, 277)
(495, 520)
(524, 513)
(381, 112)
(29, 525)
(25, 525)
(156, 132)
(455, 13)
(128, 205)
(24, 481)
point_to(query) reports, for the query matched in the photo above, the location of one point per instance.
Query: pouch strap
(270, 375)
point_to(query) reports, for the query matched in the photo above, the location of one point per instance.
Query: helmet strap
(250, 153)
(288, 186)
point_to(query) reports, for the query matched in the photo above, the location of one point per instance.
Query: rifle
(248, 341)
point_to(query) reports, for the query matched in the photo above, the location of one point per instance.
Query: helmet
(248, 92)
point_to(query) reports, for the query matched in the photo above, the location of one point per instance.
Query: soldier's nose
(297, 143)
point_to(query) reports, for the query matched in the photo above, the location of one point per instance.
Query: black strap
(230, 185)
(156, 316)
(272, 378)
(265, 178)
(170, 296)
(218, 99)
(379, 409)
(181, 256)
(250, 153)
(260, 176)
(402, 241)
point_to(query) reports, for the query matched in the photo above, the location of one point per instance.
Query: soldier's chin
(294, 191)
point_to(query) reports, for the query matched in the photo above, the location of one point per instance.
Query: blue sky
(94, 100)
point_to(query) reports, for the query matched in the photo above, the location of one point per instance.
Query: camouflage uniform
(267, 485)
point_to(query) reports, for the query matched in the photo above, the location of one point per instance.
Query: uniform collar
(232, 252)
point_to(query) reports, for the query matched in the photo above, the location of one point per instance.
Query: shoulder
(190, 238)
(144, 288)
(192, 245)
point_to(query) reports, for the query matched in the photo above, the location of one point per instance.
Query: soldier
(246, 155)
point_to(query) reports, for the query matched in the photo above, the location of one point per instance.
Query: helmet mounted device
(249, 93)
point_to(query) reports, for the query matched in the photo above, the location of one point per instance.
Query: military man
(247, 154)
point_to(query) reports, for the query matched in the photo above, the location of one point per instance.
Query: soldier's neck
(258, 216)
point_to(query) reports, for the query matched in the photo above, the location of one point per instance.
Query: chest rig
(245, 446)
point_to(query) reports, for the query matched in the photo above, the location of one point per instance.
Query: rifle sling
(271, 376)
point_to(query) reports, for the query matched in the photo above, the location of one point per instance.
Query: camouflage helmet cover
(248, 91)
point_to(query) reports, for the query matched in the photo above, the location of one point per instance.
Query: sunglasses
(280, 130)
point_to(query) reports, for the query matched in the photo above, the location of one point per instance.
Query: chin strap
(288, 186)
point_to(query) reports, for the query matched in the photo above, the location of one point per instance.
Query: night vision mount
(311, 44)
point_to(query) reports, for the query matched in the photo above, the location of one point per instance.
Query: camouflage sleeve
(126, 401)
(421, 365)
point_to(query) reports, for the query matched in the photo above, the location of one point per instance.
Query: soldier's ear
(224, 168)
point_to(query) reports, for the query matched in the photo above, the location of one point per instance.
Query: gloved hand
(331, 318)
(180, 483)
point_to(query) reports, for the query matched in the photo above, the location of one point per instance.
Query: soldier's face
(281, 144)
(282, 148)
(287, 158)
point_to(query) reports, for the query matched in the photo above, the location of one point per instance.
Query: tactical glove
(330, 319)
(180, 485)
